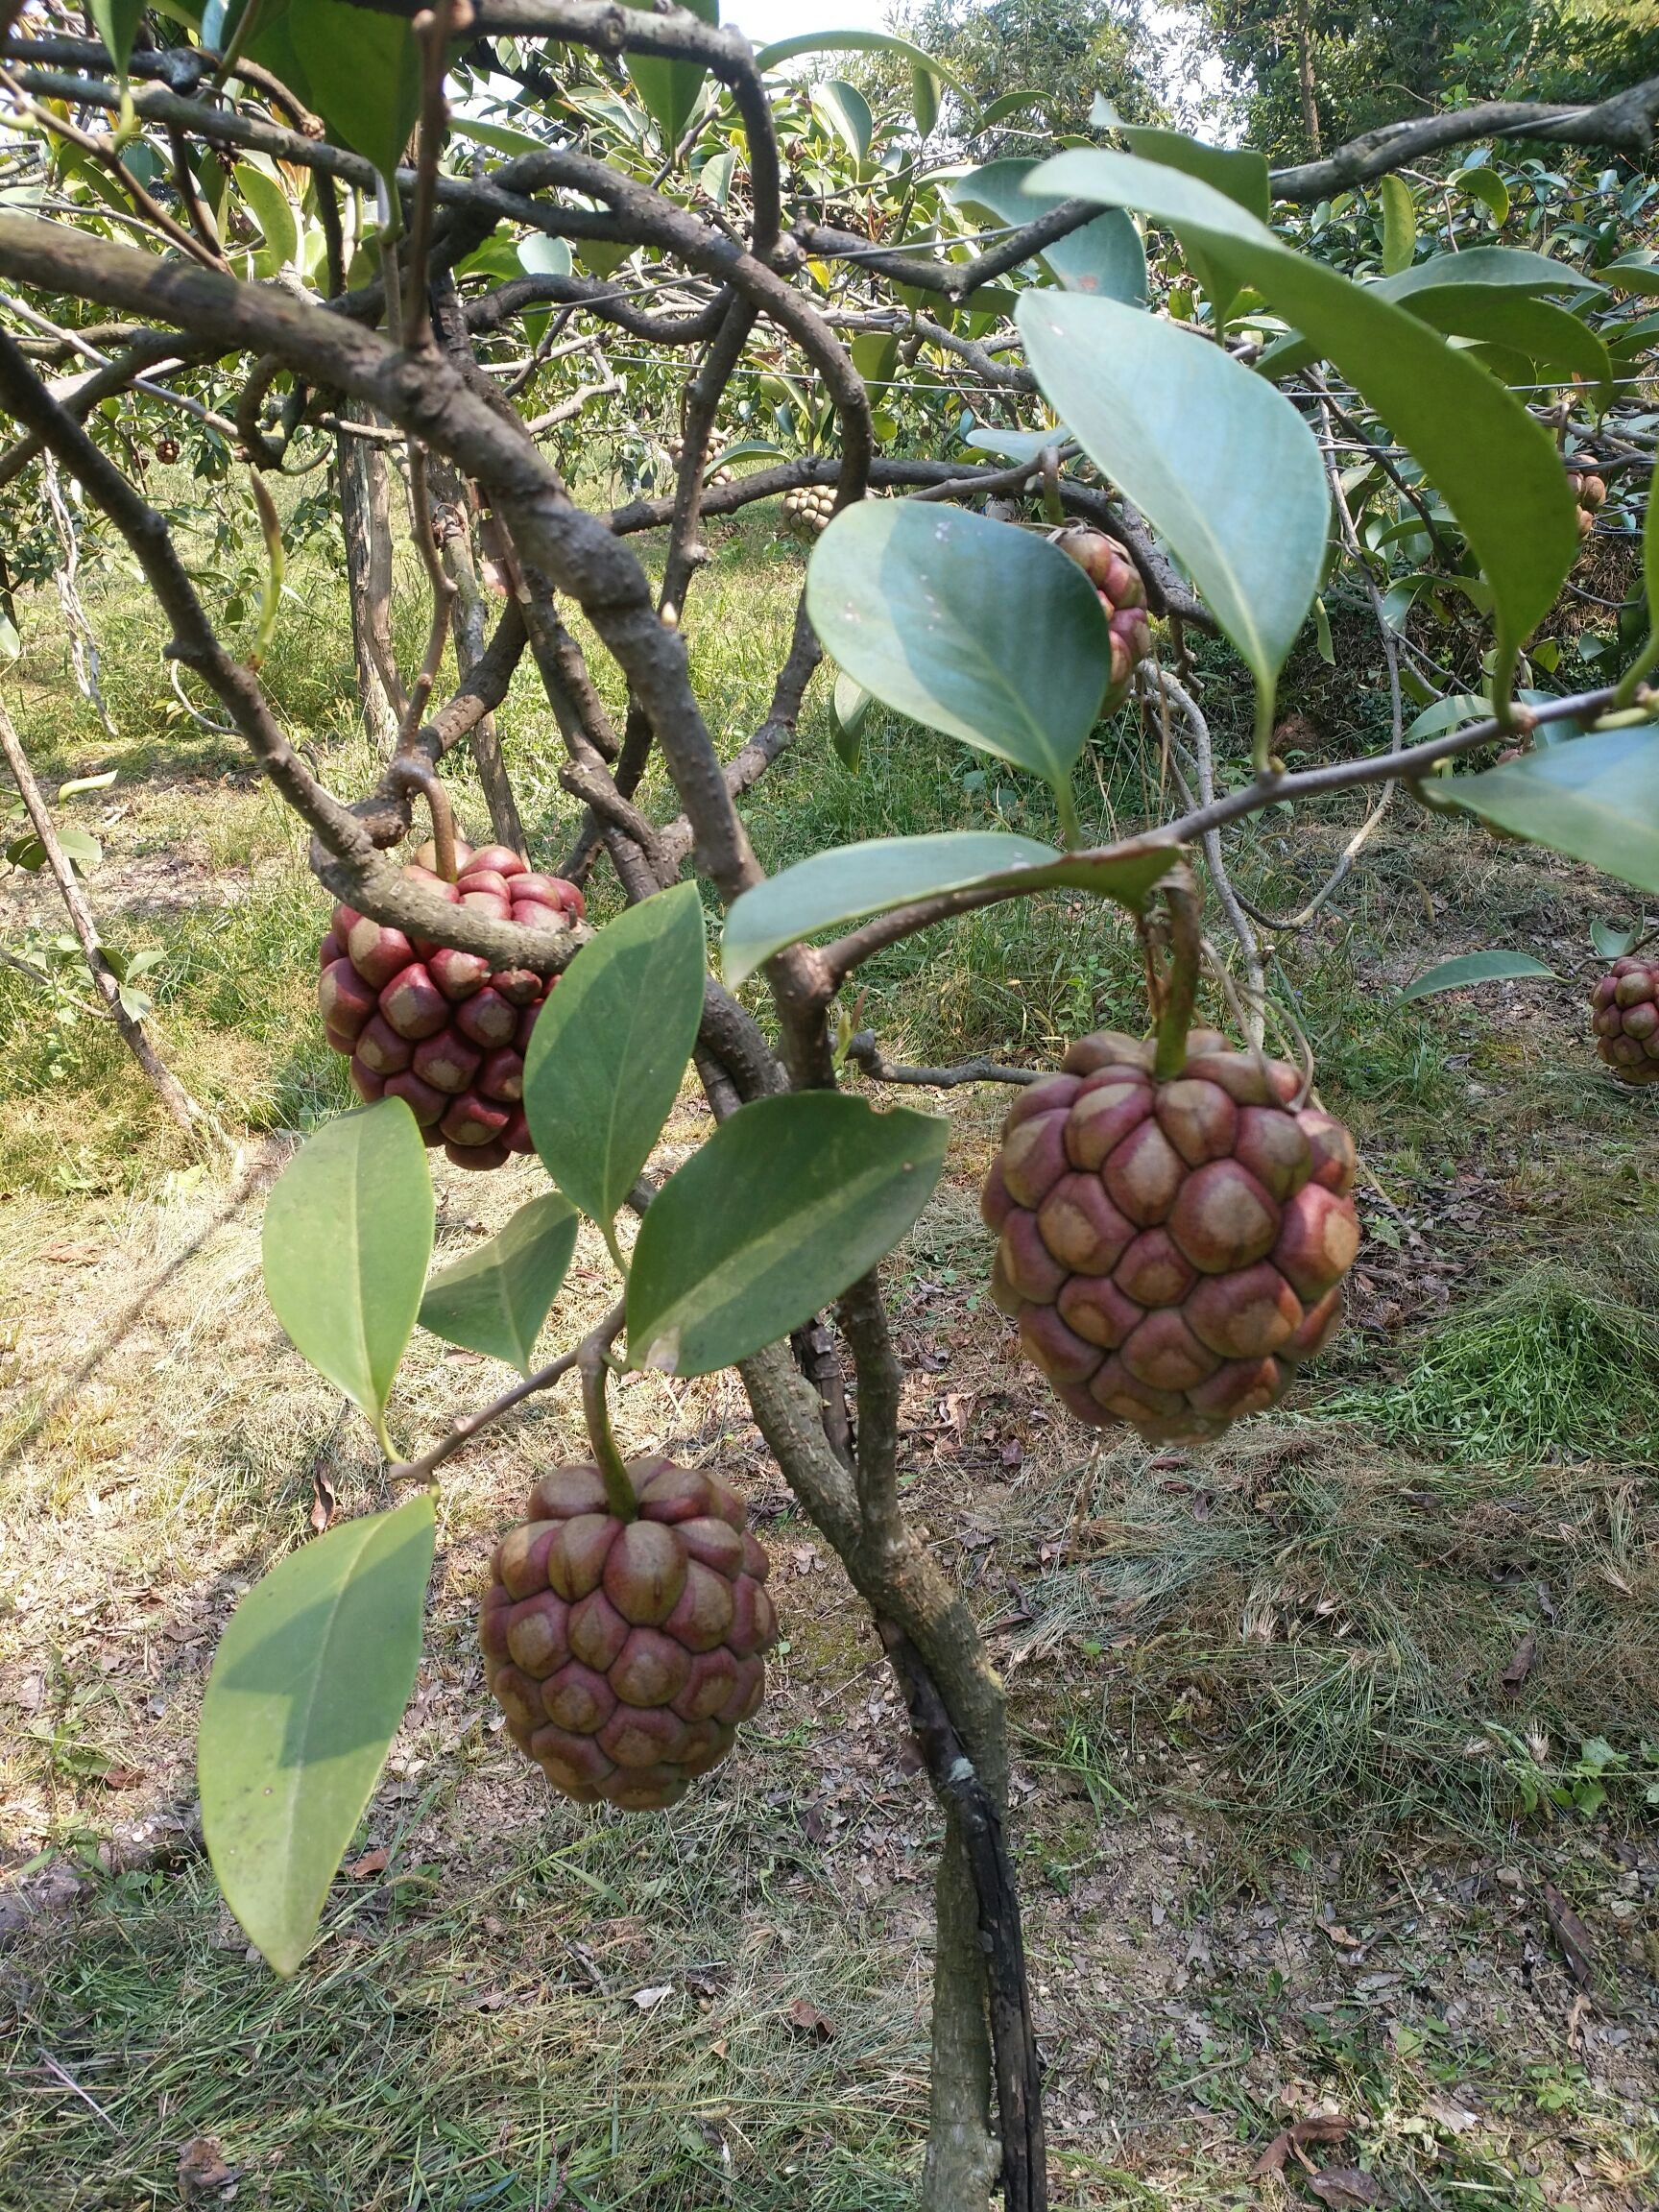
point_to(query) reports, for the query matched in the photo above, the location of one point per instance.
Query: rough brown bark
(365, 526)
(1304, 81)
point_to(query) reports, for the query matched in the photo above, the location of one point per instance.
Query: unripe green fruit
(426, 1023)
(1626, 1019)
(625, 1653)
(1171, 1250)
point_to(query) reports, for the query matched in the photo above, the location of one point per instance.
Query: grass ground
(1335, 1782)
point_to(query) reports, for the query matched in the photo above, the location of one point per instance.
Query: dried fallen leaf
(322, 1501)
(648, 2000)
(83, 1254)
(1452, 2117)
(123, 1777)
(1325, 2130)
(371, 1863)
(1572, 1937)
(201, 2167)
(1346, 2188)
(1521, 1665)
(805, 2017)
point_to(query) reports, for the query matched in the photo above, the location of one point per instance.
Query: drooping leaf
(610, 1047)
(79, 847)
(1475, 968)
(1238, 170)
(347, 1239)
(360, 70)
(1513, 267)
(1488, 187)
(1595, 798)
(850, 707)
(923, 99)
(1008, 104)
(1399, 225)
(274, 212)
(850, 882)
(1165, 415)
(787, 1204)
(1497, 469)
(1541, 332)
(307, 1688)
(671, 89)
(1613, 944)
(856, 43)
(496, 1299)
(974, 627)
(116, 22)
(1105, 257)
(845, 114)
(1322, 632)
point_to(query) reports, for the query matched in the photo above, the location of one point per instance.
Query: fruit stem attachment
(596, 1372)
(410, 772)
(1178, 986)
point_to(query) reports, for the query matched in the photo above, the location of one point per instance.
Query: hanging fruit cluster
(717, 476)
(433, 1027)
(1171, 1250)
(1123, 595)
(625, 1653)
(1627, 1019)
(807, 509)
(1591, 492)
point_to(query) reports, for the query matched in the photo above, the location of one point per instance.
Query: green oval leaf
(671, 89)
(274, 212)
(496, 1299)
(845, 114)
(850, 707)
(1515, 267)
(1105, 257)
(1488, 187)
(1166, 415)
(1595, 799)
(1611, 944)
(307, 1688)
(1238, 170)
(856, 43)
(116, 22)
(1475, 968)
(1497, 469)
(974, 627)
(788, 1203)
(610, 1047)
(359, 69)
(347, 1239)
(852, 880)
(1399, 226)
(1546, 335)
(923, 99)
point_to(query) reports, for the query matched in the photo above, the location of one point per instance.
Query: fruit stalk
(595, 1372)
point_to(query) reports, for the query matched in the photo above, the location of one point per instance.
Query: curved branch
(1625, 123)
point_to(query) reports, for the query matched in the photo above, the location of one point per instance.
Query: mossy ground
(1307, 1728)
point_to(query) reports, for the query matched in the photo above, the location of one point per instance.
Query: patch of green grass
(1549, 1368)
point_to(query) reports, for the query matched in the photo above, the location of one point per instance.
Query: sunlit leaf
(974, 627)
(845, 114)
(788, 1203)
(850, 881)
(1497, 467)
(306, 1691)
(1399, 225)
(850, 705)
(671, 89)
(496, 1299)
(347, 1239)
(610, 1047)
(1105, 255)
(1165, 415)
(1475, 968)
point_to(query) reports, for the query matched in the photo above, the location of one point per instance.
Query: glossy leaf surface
(610, 1047)
(852, 880)
(306, 1691)
(347, 1239)
(785, 1206)
(496, 1299)
(972, 627)
(1166, 416)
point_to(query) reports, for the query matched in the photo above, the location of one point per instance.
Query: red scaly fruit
(1171, 1250)
(1123, 595)
(625, 1653)
(1625, 1009)
(425, 1023)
